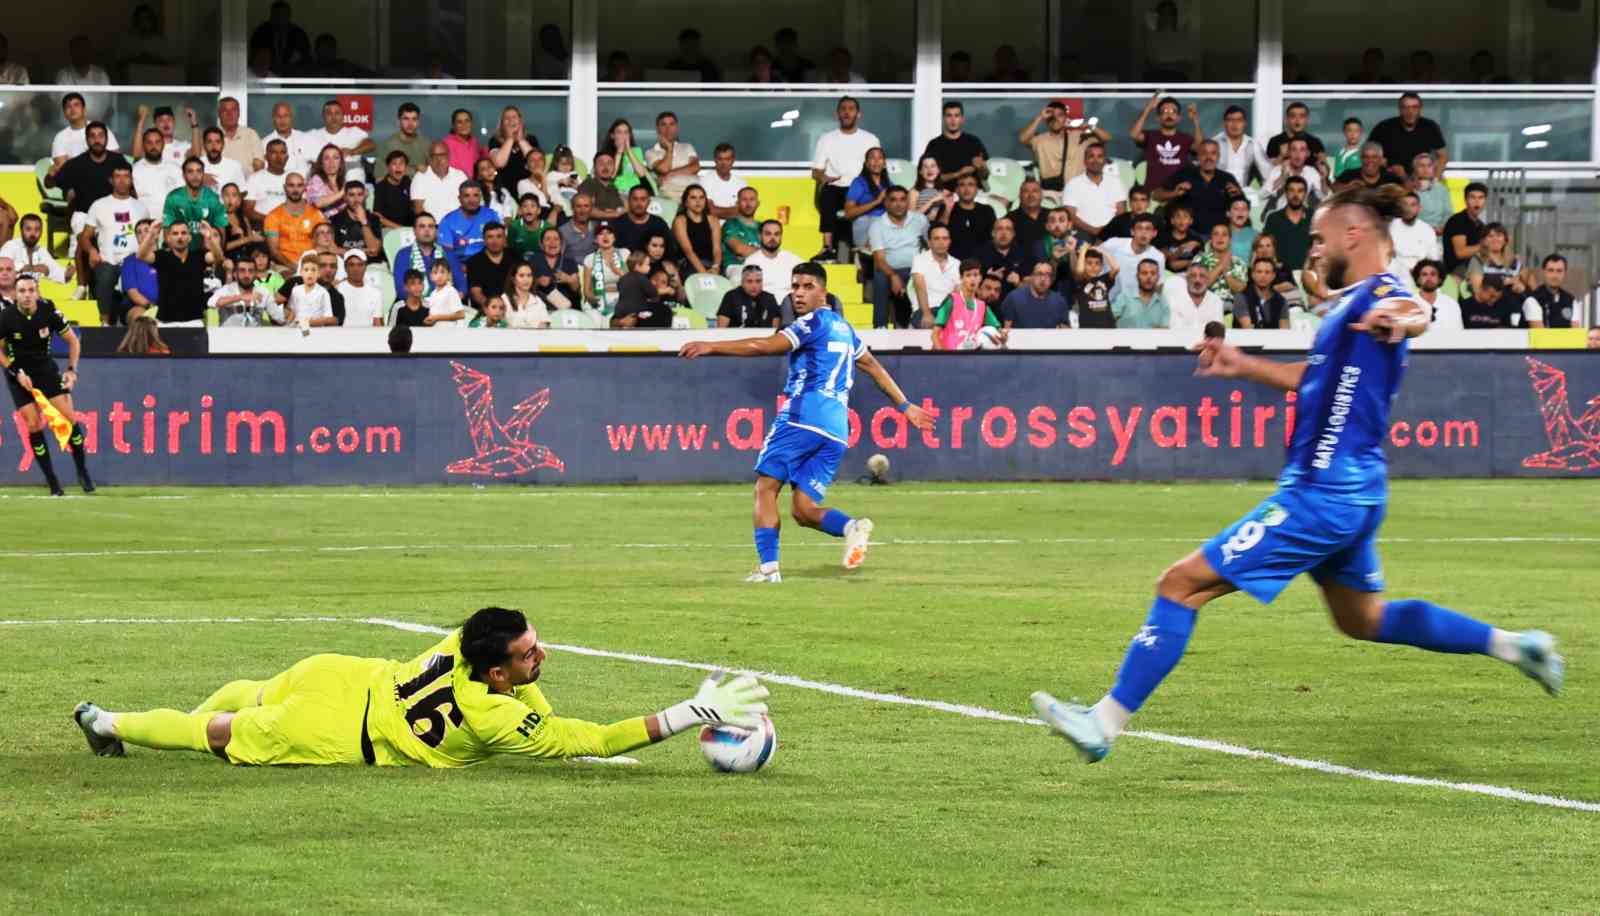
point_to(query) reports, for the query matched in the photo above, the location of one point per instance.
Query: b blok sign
(623, 418)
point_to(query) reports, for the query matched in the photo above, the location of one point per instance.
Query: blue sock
(767, 545)
(1154, 652)
(833, 522)
(1428, 626)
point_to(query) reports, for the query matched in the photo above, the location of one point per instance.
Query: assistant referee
(26, 326)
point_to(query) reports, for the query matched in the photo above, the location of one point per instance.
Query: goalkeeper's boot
(85, 714)
(1075, 723)
(1540, 661)
(856, 536)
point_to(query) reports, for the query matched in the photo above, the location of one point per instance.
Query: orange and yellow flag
(59, 424)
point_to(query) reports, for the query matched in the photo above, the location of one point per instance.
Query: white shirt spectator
(673, 186)
(265, 189)
(1096, 204)
(69, 142)
(21, 257)
(1121, 250)
(348, 137)
(503, 203)
(1186, 317)
(1237, 162)
(96, 105)
(363, 305)
(1412, 244)
(841, 155)
(113, 221)
(226, 172)
(438, 195)
(301, 152)
(1446, 312)
(776, 270)
(153, 181)
(260, 300)
(445, 301)
(940, 280)
(310, 304)
(175, 151)
(722, 193)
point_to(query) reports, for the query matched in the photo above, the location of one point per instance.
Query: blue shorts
(1295, 531)
(806, 459)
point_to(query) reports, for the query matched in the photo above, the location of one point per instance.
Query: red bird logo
(501, 449)
(1574, 442)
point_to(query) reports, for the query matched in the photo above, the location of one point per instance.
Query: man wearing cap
(363, 302)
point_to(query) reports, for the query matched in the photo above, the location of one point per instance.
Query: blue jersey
(822, 367)
(1342, 412)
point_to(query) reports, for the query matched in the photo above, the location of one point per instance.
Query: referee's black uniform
(27, 343)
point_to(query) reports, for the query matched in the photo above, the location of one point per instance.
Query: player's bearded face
(525, 655)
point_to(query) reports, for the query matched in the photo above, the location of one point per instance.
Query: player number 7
(845, 365)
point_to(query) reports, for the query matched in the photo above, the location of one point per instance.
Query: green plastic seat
(705, 292)
(687, 319)
(664, 207)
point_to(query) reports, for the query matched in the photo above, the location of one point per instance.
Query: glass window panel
(466, 39)
(545, 116)
(29, 119)
(174, 43)
(1440, 41)
(997, 121)
(640, 40)
(1475, 129)
(762, 129)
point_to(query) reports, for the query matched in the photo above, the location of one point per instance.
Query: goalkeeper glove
(732, 701)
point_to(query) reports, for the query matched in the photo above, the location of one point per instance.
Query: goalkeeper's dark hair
(486, 637)
(1383, 203)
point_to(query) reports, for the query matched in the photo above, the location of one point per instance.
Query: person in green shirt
(407, 139)
(741, 235)
(1349, 157)
(522, 233)
(631, 167)
(492, 316)
(1142, 306)
(194, 203)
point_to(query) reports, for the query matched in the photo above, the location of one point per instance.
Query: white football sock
(1112, 716)
(1503, 645)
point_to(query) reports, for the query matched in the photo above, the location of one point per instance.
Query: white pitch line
(979, 712)
(668, 545)
(960, 709)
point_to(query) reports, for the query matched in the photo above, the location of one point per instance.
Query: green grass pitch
(974, 595)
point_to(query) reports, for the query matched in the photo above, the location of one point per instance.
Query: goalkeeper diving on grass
(470, 697)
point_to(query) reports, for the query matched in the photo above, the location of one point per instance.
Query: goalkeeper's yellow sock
(164, 729)
(233, 696)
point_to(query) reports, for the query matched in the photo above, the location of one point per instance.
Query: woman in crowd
(1228, 274)
(535, 182)
(602, 269)
(655, 247)
(699, 234)
(863, 201)
(927, 197)
(631, 169)
(325, 185)
(1495, 258)
(498, 198)
(143, 339)
(556, 276)
(523, 307)
(511, 148)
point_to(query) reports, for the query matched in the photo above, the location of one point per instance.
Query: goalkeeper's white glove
(720, 700)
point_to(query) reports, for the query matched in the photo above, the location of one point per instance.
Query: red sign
(357, 110)
(1074, 106)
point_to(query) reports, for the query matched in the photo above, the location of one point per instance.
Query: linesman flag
(59, 424)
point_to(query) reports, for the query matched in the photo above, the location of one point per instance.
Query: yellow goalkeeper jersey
(430, 711)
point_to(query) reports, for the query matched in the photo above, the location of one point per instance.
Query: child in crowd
(412, 311)
(444, 303)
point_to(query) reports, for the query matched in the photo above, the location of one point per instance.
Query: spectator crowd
(319, 225)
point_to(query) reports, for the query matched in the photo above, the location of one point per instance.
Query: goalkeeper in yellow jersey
(468, 698)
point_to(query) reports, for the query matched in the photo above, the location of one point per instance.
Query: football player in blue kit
(809, 435)
(1331, 495)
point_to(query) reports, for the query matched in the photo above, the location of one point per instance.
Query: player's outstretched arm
(721, 700)
(869, 364)
(747, 346)
(1218, 359)
(1393, 320)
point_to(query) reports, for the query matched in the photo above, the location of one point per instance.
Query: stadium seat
(574, 320)
(394, 240)
(901, 172)
(999, 206)
(705, 292)
(687, 319)
(664, 207)
(1005, 178)
(52, 204)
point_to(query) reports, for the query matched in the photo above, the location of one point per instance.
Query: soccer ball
(735, 750)
(989, 339)
(878, 465)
